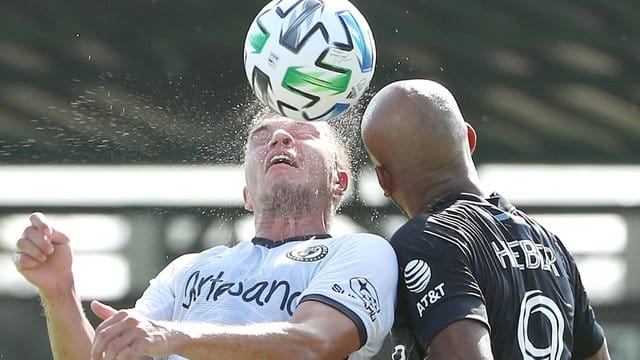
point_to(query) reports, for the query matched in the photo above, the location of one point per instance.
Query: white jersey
(264, 281)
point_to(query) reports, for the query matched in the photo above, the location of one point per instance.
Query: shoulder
(362, 248)
(187, 261)
(431, 235)
(363, 241)
(422, 228)
(360, 237)
(182, 261)
(411, 227)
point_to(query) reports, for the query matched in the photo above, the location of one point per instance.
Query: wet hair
(339, 148)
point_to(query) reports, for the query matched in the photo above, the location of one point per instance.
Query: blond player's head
(295, 167)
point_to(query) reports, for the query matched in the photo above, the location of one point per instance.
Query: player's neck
(287, 226)
(424, 195)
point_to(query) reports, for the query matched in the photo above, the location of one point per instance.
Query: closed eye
(260, 137)
(306, 132)
(306, 136)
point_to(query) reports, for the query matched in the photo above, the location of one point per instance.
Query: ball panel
(364, 43)
(261, 84)
(334, 111)
(310, 97)
(316, 81)
(257, 39)
(302, 25)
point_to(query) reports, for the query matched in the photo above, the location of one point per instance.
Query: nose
(282, 137)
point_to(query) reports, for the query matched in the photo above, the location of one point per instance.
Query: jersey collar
(268, 243)
(494, 199)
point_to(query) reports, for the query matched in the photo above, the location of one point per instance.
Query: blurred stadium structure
(125, 121)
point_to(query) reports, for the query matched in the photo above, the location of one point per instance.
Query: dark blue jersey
(482, 259)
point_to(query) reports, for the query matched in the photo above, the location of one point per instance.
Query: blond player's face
(285, 151)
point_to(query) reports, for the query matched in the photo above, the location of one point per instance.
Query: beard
(286, 198)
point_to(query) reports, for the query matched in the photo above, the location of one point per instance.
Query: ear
(471, 136)
(248, 204)
(384, 180)
(342, 183)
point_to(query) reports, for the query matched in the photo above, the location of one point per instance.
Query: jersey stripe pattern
(483, 259)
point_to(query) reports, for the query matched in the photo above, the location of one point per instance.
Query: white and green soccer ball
(309, 59)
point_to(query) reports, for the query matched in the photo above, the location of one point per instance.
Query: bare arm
(602, 354)
(44, 258)
(469, 339)
(462, 340)
(70, 333)
(316, 331)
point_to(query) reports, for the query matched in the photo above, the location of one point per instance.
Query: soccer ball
(309, 59)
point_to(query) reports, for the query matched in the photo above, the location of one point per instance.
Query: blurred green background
(94, 89)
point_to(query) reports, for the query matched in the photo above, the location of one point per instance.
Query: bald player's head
(414, 123)
(417, 138)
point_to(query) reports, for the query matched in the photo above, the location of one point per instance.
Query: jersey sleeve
(359, 279)
(588, 335)
(157, 301)
(436, 286)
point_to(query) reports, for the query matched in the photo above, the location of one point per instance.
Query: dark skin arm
(469, 339)
(462, 340)
(602, 354)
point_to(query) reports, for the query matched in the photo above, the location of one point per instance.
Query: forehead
(273, 124)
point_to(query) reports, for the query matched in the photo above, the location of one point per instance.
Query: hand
(43, 255)
(124, 335)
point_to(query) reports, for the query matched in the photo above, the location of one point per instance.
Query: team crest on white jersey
(308, 253)
(417, 274)
(367, 293)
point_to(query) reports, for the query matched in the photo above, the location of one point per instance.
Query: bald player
(479, 279)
